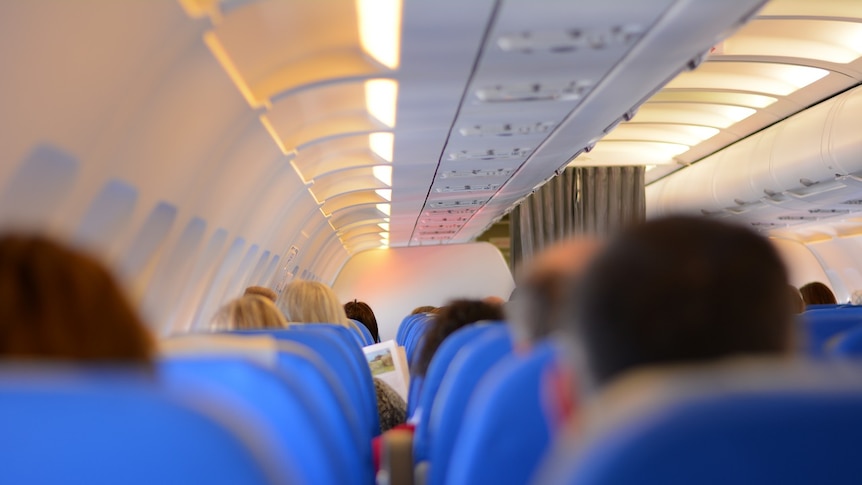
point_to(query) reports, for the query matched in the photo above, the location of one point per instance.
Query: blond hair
(311, 302)
(247, 313)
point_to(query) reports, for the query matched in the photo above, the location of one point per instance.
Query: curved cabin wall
(395, 281)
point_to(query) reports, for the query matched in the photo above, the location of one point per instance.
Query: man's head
(679, 290)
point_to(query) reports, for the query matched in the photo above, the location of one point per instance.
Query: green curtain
(580, 201)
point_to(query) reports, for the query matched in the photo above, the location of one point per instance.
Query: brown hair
(61, 304)
(248, 313)
(362, 313)
(261, 291)
(816, 293)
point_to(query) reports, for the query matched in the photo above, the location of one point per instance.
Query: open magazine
(388, 362)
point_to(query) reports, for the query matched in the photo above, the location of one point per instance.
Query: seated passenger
(678, 290)
(263, 291)
(816, 293)
(248, 312)
(304, 301)
(423, 309)
(362, 313)
(391, 409)
(59, 304)
(453, 316)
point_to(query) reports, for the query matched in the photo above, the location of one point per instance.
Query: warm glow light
(383, 173)
(385, 193)
(683, 134)
(212, 41)
(380, 30)
(700, 114)
(382, 144)
(759, 77)
(630, 153)
(384, 208)
(381, 100)
(826, 40)
(383, 225)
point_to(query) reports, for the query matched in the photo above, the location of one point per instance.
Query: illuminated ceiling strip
(380, 30)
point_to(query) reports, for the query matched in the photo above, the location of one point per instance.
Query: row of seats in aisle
(277, 406)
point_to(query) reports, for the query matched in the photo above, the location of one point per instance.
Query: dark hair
(362, 313)
(423, 309)
(453, 316)
(816, 293)
(679, 290)
(60, 304)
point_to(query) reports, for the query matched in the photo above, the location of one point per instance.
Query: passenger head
(263, 291)
(423, 309)
(304, 301)
(59, 304)
(679, 290)
(248, 313)
(453, 316)
(816, 293)
(362, 313)
(541, 292)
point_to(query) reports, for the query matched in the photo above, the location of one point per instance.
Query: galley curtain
(580, 201)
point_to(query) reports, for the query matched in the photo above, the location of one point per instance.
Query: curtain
(580, 201)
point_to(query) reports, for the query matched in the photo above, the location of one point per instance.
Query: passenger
(423, 309)
(453, 316)
(362, 313)
(542, 290)
(304, 301)
(262, 291)
(390, 407)
(59, 304)
(494, 300)
(678, 290)
(797, 304)
(248, 312)
(856, 298)
(816, 293)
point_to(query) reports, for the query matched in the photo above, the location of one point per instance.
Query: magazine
(388, 362)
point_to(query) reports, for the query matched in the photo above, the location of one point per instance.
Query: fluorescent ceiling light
(630, 153)
(383, 225)
(384, 208)
(663, 132)
(714, 97)
(382, 144)
(386, 194)
(381, 100)
(699, 114)
(380, 30)
(760, 77)
(824, 40)
(383, 173)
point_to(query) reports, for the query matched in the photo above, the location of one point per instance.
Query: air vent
(492, 172)
(462, 211)
(437, 232)
(852, 202)
(797, 218)
(571, 40)
(444, 220)
(491, 154)
(454, 189)
(434, 226)
(829, 211)
(508, 129)
(539, 91)
(435, 237)
(444, 204)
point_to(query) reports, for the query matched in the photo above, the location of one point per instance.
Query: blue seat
(350, 370)
(505, 431)
(280, 401)
(823, 324)
(434, 377)
(466, 370)
(849, 344)
(95, 426)
(367, 338)
(414, 336)
(407, 325)
(744, 437)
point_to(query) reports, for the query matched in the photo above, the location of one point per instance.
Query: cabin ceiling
(425, 122)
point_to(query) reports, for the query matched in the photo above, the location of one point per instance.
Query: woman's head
(816, 293)
(249, 312)
(361, 312)
(57, 303)
(305, 301)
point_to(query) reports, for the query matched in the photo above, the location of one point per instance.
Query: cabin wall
(397, 280)
(803, 265)
(839, 256)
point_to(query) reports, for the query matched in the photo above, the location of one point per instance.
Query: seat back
(849, 344)
(505, 431)
(744, 435)
(434, 377)
(404, 328)
(466, 370)
(414, 336)
(821, 325)
(367, 338)
(105, 427)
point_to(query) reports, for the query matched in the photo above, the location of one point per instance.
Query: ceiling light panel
(689, 135)
(630, 153)
(759, 77)
(833, 41)
(713, 97)
(700, 114)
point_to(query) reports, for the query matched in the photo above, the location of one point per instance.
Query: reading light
(381, 100)
(382, 145)
(383, 173)
(380, 30)
(383, 225)
(384, 208)
(385, 193)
